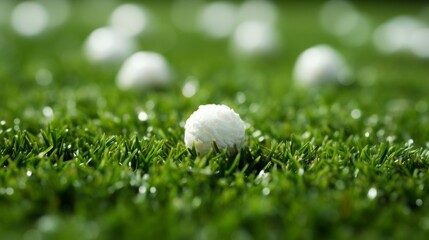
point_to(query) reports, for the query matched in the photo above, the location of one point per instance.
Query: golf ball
(396, 34)
(217, 124)
(29, 18)
(129, 19)
(106, 45)
(321, 64)
(218, 19)
(144, 70)
(254, 38)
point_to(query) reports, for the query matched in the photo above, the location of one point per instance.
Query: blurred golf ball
(106, 45)
(129, 19)
(403, 34)
(343, 20)
(218, 19)
(29, 18)
(217, 124)
(254, 38)
(398, 35)
(261, 10)
(144, 70)
(321, 64)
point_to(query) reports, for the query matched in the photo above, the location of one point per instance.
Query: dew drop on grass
(143, 116)
(390, 139)
(190, 88)
(43, 77)
(145, 177)
(29, 173)
(356, 113)
(142, 189)
(266, 191)
(240, 97)
(256, 134)
(372, 193)
(196, 202)
(254, 107)
(48, 112)
(419, 202)
(152, 191)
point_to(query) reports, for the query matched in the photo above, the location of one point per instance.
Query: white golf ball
(343, 20)
(144, 70)
(260, 10)
(29, 18)
(218, 19)
(106, 45)
(396, 34)
(254, 39)
(321, 64)
(214, 124)
(129, 19)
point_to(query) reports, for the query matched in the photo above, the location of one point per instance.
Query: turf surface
(330, 162)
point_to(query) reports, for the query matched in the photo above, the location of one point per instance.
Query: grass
(309, 169)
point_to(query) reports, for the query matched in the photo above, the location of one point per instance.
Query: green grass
(307, 170)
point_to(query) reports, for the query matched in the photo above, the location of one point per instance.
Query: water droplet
(356, 113)
(265, 191)
(256, 134)
(419, 202)
(143, 116)
(29, 173)
(48, 112)
(372, 193)
(145, 177)
(9, 191)
(190, 87)
(196, 202)
(301, 171)
(390, 139)
(142, 189)
(240, 98)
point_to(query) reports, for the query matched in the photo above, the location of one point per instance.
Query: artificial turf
(324, 162)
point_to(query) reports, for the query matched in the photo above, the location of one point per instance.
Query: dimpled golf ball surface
(214, 124)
